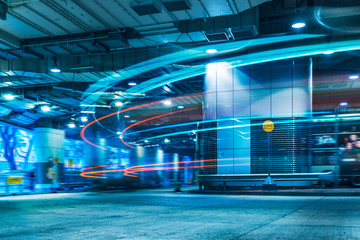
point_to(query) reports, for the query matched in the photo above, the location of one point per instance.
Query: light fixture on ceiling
(72, 125)
(353, 77)
(167, 102)
(118, 132)
(180, 107)
(298, 24)
(166, 140)
(8, 83)
(8, 97)
(84, 118)
(343, 104)
(45, 108)
(118, 104)
(211, 51)
(85, 111)
(327, 52)
(132, 83)
(55, 68)
(126, 116)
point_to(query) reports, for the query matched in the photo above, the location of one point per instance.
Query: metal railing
(24, 185)
(224, 178)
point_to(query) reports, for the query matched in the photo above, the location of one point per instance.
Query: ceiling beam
(31, 23)
(69, 16)
(9, 40)
(47, 18)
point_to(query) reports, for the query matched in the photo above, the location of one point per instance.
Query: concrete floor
(163, 214)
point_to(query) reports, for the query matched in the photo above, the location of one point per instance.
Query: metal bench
(224, 178)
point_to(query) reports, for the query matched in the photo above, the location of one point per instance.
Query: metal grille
(289, 147)
(208, 146)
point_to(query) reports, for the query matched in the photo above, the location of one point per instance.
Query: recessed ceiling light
(118, 132)
(343, 104)
(45, 108)
(211, 51)
(8, 83)
(87, 111)
(298, 25)
(328, 52)
(9, 97)
(166, 140)
(132, 83)
(180, 107)
(84, 119)
(71, 125)
(126, 116)
(353, 77)
(167, 102)
(119, 104)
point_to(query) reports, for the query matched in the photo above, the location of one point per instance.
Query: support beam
(9, 40)
(33, 53)
(31, 23)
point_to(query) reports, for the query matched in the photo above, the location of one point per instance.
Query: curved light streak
(132, 171)
(149, 119)
(82, 133)
(255, 58)
(317, 14)
(249, 59)
(200, 52)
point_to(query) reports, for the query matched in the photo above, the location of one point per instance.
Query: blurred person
(353, 138)
(31, 177)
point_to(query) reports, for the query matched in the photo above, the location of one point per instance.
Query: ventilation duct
(176, 5)
(238, 33)
(224, 28)
(145, 7)
(217, 35)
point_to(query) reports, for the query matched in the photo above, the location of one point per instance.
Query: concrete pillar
(49, 153)
(235, 98)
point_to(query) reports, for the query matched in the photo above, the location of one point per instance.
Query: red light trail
(82, 133)
(134, 170)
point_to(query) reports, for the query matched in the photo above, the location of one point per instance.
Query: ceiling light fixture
(45, 108)
(327, 52)
(180, 107)
(71, 125)
(343, 104)
(211, 51)
(126, 116)
(84, 119)
(298, 25)
(8, 97)
(87, 112)
(132, 83)
(55, 68)
(8, 83)
(119, 104)
(353, 77)
(167, 102)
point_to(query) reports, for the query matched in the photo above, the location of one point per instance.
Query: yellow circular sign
(268, 126)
